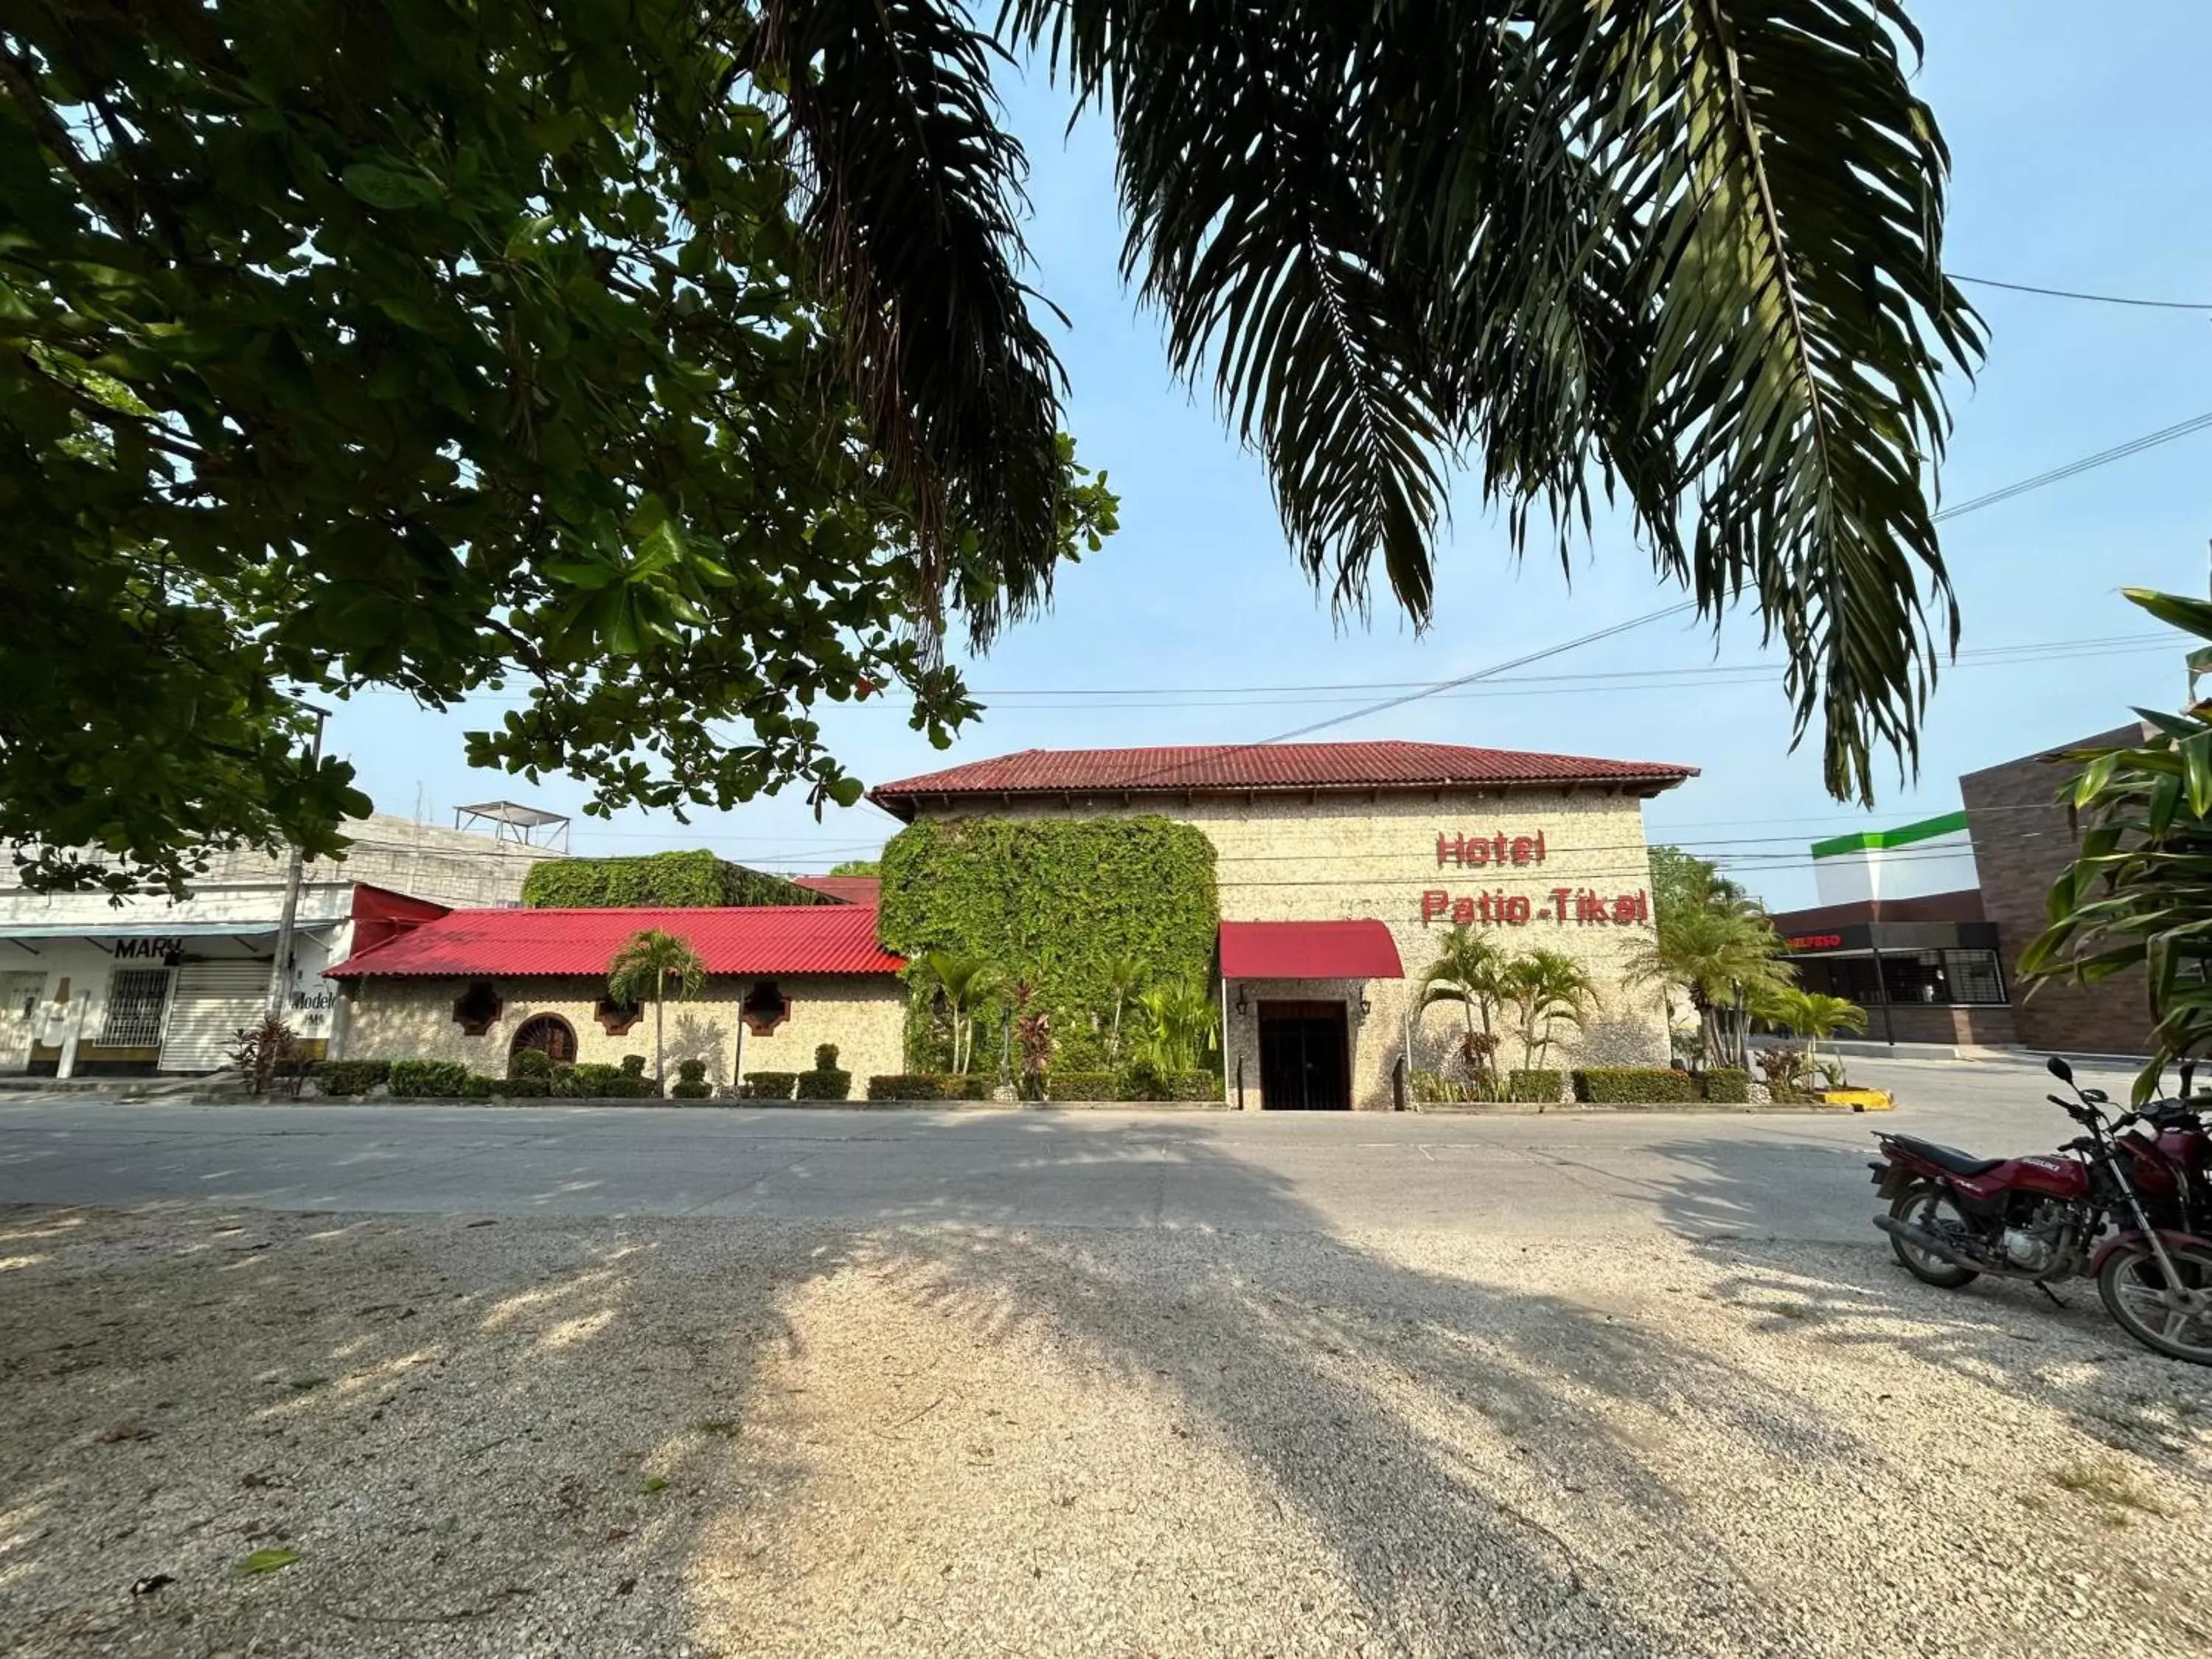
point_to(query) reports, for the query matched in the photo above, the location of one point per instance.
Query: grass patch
(2107, 1482)
(653, 1483)
(307, 1385)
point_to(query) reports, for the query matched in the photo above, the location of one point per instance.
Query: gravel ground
(664, 1437)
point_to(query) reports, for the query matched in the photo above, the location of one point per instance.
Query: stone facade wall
(400, 1018)
(2022, 840)
(1331, 857)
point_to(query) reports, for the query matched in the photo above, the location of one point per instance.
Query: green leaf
(653, 1483)
(269, 1560)
(387, 187)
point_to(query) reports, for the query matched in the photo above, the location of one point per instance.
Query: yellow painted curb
(1860, 1100)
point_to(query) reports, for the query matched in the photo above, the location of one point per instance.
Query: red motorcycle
(2145, 1175)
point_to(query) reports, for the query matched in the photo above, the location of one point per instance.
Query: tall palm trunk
(659, 1065)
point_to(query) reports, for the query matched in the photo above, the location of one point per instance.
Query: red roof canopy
(1308, 950)
(814, 938)
(1237, 768)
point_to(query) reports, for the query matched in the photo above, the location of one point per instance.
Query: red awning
(1308, 950)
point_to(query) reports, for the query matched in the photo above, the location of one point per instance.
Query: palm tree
(1124, 976)
(1180, 1022)
(1466, 972)
(1725, 954)
(1590, 243)
(1813, 1015)
(1545, 988)
(646, 967)
(966, 983)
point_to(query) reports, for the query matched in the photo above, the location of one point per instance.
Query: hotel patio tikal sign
(1578, 905)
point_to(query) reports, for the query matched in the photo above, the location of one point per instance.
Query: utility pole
(280, 972)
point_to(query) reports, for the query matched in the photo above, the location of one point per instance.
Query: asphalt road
(1785, 1175)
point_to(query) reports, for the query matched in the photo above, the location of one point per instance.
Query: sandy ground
(719, 1438)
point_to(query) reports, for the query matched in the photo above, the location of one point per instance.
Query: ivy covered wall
(687, 881)
(1053, 901)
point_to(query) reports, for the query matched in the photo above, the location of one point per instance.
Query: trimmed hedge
(524, 1088)
(1079, 1085)
(1539, 1087)
(686, 1071)
(1142, 1082)
(530, 1063)
(1054, 901)
(350, 1077)
(429, 1080)
(1727, 1086)
(769, 1085)
(691, 1088)
(1633, 1085)
(593, 1081)
(683, 881)
(907, 1085)
(825, 1085)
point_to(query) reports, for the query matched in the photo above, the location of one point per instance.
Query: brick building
(1922, 926)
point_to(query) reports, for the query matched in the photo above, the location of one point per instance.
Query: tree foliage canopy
(439, 347)
(674, 361)
(2138, 895)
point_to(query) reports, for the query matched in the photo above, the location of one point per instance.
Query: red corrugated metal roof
(813, 939)
(1308, 950)
(845, 889)
(1273, 766)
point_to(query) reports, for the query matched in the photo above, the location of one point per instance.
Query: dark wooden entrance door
(1304, 1057)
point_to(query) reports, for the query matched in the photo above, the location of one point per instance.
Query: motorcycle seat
(1944, 1158)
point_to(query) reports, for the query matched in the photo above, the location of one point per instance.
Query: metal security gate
(213, 1002)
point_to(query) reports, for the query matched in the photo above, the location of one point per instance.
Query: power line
(2074, 294)
(2087, 464)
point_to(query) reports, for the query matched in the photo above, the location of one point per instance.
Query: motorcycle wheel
(2135, 1295)
(1922, 1206)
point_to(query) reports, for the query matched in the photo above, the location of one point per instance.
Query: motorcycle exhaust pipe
(1920, 1239)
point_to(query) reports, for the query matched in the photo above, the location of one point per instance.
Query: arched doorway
(550, 1033)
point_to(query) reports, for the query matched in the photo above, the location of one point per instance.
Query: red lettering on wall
(1476, 852)
(1814, 942)
(1434, 903)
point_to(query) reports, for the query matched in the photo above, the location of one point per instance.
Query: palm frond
(914, 206)
(1684, 252)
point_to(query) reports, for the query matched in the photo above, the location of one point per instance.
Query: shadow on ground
(936, 1434)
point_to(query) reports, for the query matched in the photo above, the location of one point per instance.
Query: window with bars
(135, 997)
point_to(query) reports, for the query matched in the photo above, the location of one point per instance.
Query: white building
(89, 986)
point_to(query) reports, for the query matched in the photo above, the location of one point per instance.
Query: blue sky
(2076, 165)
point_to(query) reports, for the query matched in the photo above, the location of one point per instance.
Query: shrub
(260, 1052)
(1193, 1085)
(691, 1088)
(1632, 1085)
(524, 1088)
(907, 1085)
(691, 1071)
(1786, 1071)
(1078, 1085)
(1140, 1080)
(564, 1082)
(429, 1080)
(1532, 1086)
(478, 1087)
(824, 1083)
(633, 1065)
(530, 1063)
(657, 881)
(351, 1077)
(825, 1057)
(1728, 1085)
(770, 1086)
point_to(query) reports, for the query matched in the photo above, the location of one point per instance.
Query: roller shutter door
(212, 1002)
